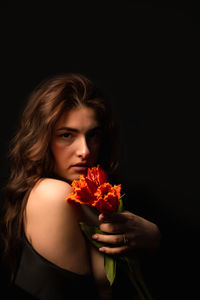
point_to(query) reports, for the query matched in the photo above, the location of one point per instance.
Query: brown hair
(30, 155)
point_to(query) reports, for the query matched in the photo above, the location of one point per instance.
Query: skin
(52, 226)
(82, 145)
(77, 139)
(138, 232)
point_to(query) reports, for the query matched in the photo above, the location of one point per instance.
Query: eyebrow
(76, 130)
(67, 128)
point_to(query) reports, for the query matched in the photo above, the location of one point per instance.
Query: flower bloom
(97, 175)
(83, 191)
(94, 190)
(107, 197)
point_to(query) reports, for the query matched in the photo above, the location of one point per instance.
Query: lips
(83, 165)
(80, 167)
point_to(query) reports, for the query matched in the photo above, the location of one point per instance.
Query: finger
(115, 250)
(112, 228)
(114, 217)
(110, 239)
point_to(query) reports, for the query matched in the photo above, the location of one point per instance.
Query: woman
(66, 127)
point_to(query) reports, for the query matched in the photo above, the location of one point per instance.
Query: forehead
(78, 117)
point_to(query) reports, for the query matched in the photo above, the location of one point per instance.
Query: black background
(145, 55)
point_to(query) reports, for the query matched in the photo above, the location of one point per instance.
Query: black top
(38, 278)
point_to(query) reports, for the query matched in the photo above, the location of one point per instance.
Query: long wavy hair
(30, 155)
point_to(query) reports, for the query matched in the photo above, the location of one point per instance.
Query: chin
(69, 177)
(73, 177)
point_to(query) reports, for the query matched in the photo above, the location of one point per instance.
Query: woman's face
(76, 142)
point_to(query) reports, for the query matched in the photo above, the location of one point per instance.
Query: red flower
(107, 197)
(94, 190)
(97, 175)
(83, 191)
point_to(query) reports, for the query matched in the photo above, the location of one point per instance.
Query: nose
(83, 149)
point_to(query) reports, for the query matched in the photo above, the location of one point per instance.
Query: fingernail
(102, 249)
(95, 236)
(101, 217)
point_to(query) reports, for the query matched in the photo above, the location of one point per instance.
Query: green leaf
(110, 268)
(109, 262)
(121, 206)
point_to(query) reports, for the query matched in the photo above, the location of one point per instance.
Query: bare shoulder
(52, 225)
(47, 201)
(48, 195)
(48, 188)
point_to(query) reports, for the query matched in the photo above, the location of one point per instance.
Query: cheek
(58, 151)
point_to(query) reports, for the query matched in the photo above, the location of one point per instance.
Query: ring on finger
(125, 239)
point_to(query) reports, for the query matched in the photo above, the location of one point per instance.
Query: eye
(66, 135)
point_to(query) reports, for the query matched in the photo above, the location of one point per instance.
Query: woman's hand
(127, 231)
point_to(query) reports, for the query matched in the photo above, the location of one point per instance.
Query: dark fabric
(122, 287)
(37, 278)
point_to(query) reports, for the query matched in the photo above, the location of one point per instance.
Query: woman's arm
(52, 226)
